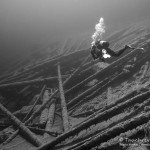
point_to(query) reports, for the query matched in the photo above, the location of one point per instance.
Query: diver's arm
(118, 53)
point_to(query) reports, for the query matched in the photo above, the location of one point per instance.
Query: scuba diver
(102, 47)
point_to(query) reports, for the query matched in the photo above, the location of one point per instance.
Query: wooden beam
(65, 116)
(29, 82)
(82, 97)
(27, 115)
(44, 113)
(42, 131)
(54, 94)
(114, 131)
(77, 70)
(37, 112)
(53, 60)
(102, 72)
(102, 116)
(50, 121)
(35, 103)
(23, 129)
(12, 136)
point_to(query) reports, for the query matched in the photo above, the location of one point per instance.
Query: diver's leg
(111, 52)
(116, 54)
(123, 49)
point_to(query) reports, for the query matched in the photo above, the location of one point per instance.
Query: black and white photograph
(74, 74)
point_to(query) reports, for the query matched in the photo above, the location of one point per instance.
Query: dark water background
(27, 25)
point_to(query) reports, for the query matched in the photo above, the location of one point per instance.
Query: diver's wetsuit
(96, 50)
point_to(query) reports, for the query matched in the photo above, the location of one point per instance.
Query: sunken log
(115, 131)
(37, 112)
(23, 129)
(106, 135)
(65, 117)
(42, 131)
(52, 96)
(27, 115)
(89, 64)
(81, 97)
(30, 82)
(35, 103)
(51, 114)
(25, 110)
(104, 115)
(122, 99)
(77, 70)
(52, 60)
(111, 124)
(130, 133)
(44, 113)
(60, 58)
(102, 72)
(11, 137)
(33, 129)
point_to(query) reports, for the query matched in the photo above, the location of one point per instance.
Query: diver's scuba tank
(104, 43)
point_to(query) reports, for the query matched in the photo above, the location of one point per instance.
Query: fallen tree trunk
(52, 96)
(27, 115)
(24, 130)
(11, 137)
(128, 96)
(94, 134)
(77, 70)
(35, 103)
(23, 83)
(122, 59)
(61, 57)
(88, 64)
(44, 113)
(80, 98)
(65, 117)
(51, 114)
(115, 141)
(89, 94)
(104, 115)
(53, 60)
(115, 131)
(42, 131)
(25, 110)
(37, 112)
